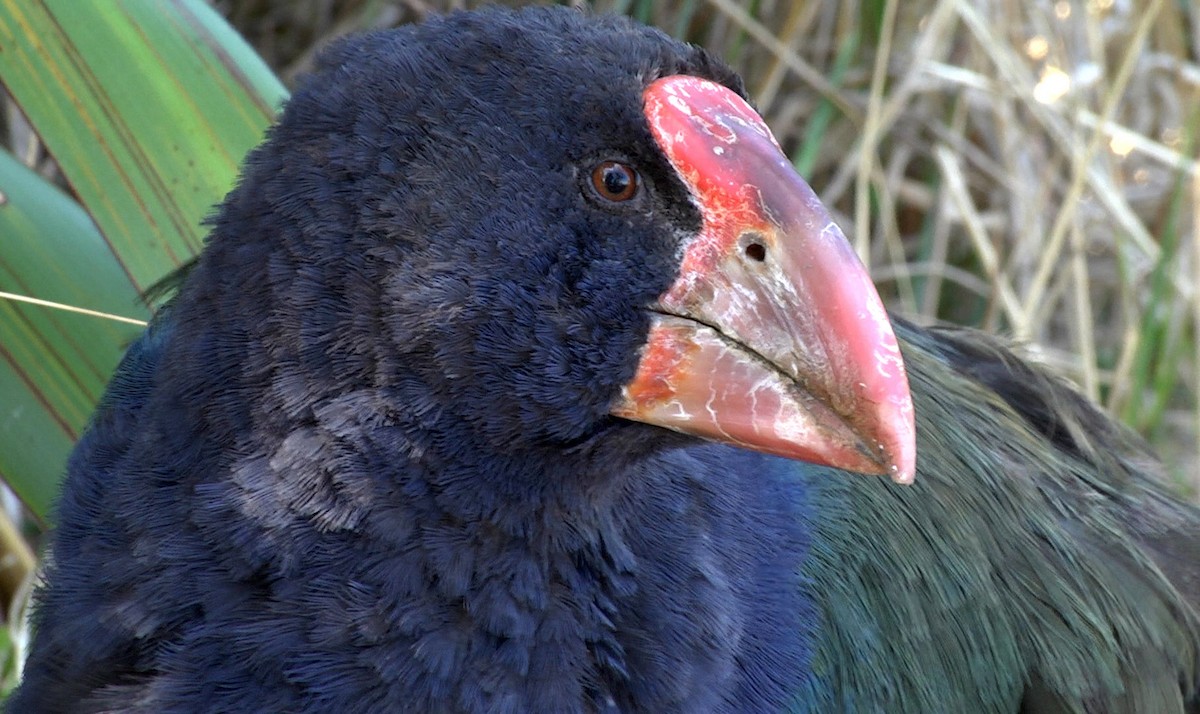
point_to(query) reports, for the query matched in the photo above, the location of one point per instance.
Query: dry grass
(1026, 167)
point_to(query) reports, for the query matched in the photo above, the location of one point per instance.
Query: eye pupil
(615, 181)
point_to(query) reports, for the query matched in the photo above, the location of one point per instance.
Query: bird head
(563, 226)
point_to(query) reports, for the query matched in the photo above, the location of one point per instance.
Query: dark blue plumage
(365, 461)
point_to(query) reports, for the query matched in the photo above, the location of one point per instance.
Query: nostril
(756, 251)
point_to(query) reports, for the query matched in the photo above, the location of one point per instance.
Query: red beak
(773, 337)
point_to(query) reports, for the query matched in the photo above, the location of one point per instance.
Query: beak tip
(902, 464)
(895, 436)
(901, 475)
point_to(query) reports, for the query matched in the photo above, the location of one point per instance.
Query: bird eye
(615, 181)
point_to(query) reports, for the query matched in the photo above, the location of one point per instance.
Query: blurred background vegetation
(1024, 166)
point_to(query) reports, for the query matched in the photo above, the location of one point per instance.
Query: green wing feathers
(1038, 557)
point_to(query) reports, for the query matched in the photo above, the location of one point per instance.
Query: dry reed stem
(872, 131)
(956, 183)
(1195, 472)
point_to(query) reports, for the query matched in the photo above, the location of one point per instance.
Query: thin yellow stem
(70, 308)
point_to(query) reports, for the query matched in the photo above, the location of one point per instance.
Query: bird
(520, 372)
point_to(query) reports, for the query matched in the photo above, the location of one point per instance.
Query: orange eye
(615, 181)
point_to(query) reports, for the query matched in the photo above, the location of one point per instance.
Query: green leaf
(148, 108)
(55, 363)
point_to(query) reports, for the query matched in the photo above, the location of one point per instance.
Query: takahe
(521, 373)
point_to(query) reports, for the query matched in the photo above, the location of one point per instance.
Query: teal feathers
(1038, 564)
